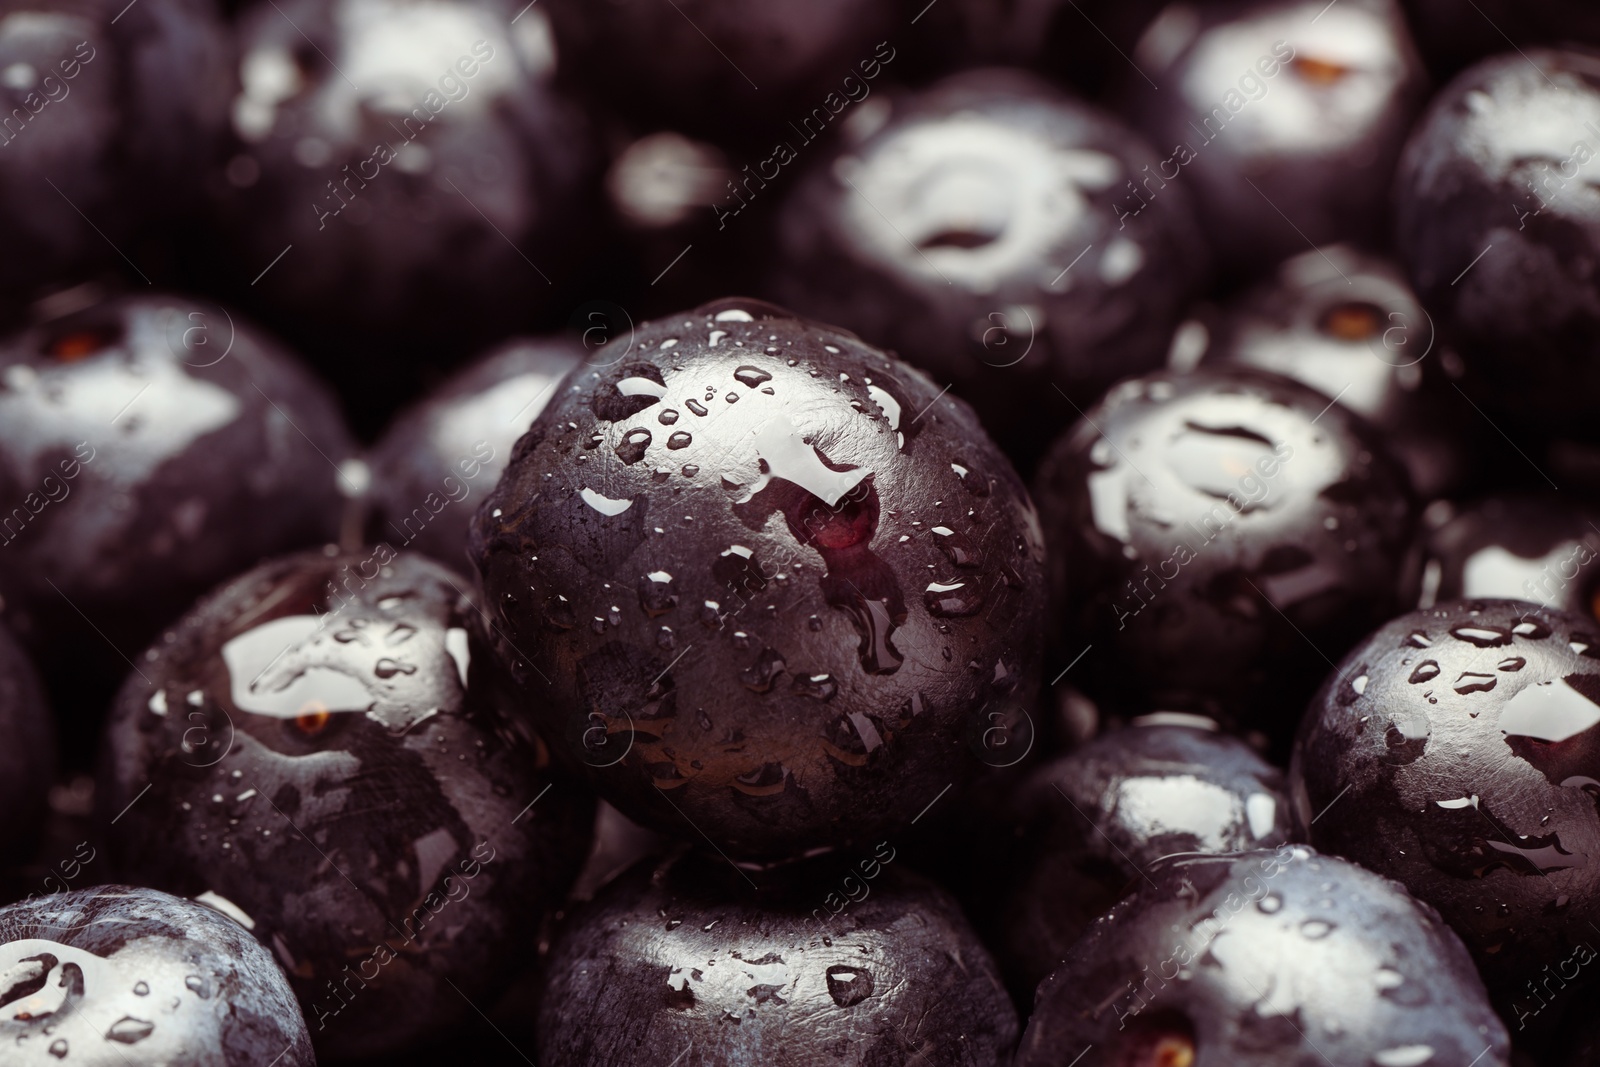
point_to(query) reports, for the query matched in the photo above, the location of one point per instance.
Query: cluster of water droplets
(1544, 723)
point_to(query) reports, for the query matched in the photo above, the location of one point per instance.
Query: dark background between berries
(1218, 470)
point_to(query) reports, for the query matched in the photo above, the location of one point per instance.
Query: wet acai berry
(1498, 228)
(686, 956)
(1347, 324)
(976, 234)
(1261, 959)
(1451, 42)
(1283, 122)
(1216, 534)
(763, 581)
(116, 976)
(1086, 824)
(438, 458)
(321, 743)
(1517, 547)
(151, 447)
(1455, 751)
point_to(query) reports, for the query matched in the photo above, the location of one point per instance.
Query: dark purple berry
(687, 956)
(1217, 537)
(1497, 227)
(1516, 547)
(151, 447)
(1347, 324)
(1262, 959)
(764, 582)
(1089, 822)
(322, 744)
(1282, 122)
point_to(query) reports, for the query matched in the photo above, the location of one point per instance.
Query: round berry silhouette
(1455, 751)
(1265, 958)
(117, 975)
(1215, 535)
(685, 955)
(763, 582)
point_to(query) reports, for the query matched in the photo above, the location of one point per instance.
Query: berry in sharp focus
(761, 580)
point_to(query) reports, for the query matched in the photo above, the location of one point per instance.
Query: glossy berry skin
(1503, 157)
(703, 65)
(27, 760)
(114, 975)
(112, 114)
(667, 192)
(418, 160)
(438, 457)
(1582, 1041)
(953, 236)
(151, 447)
(762, 978)
(1265, 959)
(1459, 742)
(1214, 535)
(1347, 324)
(1525, 547)
(325, 747)
(1283, 124)
(760, 578)
(1091, 820)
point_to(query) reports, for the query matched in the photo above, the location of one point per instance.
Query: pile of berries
(1102, 573)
